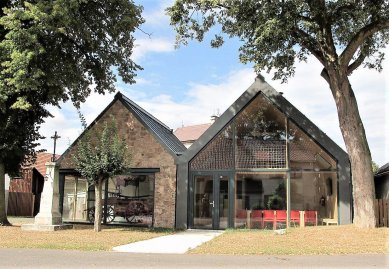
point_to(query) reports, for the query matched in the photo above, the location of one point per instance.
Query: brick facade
(146, 152)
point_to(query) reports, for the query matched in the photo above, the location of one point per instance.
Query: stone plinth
(49, 218)
(46, 228)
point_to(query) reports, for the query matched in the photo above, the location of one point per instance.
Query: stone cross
(55, 137)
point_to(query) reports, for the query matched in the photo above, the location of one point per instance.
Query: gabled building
(189, 134)
(262, 164)
(262, 158)
(148, 189)
(25, 190)
(381, 180)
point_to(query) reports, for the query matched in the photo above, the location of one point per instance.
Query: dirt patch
(326, 240)
(82, 237)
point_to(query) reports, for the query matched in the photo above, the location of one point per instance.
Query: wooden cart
(132, 208)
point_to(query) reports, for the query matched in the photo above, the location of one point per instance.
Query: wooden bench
(330, 221)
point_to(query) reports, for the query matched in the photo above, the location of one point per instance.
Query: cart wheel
(110, 214)
(134, 212)
(91, 214)
(130, 218)
(130, 212)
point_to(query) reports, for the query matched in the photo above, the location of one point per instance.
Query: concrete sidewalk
(178, 243)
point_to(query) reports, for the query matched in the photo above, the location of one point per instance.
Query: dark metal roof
(159, 130)
(162, 132)
(383, 170)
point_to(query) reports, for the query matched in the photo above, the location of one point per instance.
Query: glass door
(224, 201)
(211, 203)
(75, 199)
(203, 202)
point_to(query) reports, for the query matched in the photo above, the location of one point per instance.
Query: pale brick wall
(146, 152)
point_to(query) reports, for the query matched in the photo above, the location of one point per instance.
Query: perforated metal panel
(217, 155)
(261, 154)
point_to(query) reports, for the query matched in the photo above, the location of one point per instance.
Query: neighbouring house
(25, 190)
(260, 164)
(381, 181)
(189, 134)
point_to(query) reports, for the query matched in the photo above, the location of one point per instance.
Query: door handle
(213, 203)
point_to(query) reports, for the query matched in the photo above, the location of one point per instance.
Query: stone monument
(49, 218)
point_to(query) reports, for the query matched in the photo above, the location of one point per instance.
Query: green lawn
(326, 240)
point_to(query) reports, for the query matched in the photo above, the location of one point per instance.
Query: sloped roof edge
(298, 118)
(66, 152)
(383, 170)
(126, 101)
(158, 129)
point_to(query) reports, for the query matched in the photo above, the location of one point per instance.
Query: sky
(187, 85)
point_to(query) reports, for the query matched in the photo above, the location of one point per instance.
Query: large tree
(342, 35)
(54, 51)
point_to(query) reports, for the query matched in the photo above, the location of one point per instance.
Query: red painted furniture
(241, 218)
(295, 217)
(310, 217)
(280, 217)
(268, 216)
(255, 219)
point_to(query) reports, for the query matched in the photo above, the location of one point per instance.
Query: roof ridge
(193, 125)
(145, 112)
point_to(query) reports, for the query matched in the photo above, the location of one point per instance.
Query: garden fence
(382, 209)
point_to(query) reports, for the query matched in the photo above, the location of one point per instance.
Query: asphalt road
(36, 258)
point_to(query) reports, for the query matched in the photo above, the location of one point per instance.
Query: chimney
(214, 118)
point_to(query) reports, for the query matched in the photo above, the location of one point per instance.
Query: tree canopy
(277, 33)
(101, 153)
(342, 35)
(54, 51)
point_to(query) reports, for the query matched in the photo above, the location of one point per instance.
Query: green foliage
(53, 51)
(60, 48)
(277, 200)
(101, 153)
(341, 34)
(276, 33)
(375, 167)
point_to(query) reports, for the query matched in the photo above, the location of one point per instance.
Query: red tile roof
(191, 133)
(41, 159)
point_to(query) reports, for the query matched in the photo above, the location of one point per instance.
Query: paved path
(178, 243)
(34, 258)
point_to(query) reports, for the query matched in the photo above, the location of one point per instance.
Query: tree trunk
(98, 204)
(3, 215)
(357, 147)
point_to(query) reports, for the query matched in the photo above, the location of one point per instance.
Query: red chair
(241, 218)
(255, 218)
(310, 217)
(295, 217)
(268, 216)
(280, 217)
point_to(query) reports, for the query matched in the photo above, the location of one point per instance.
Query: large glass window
(255, 193)
(305, 154)
(260, 136)
(315, 191)
(254, 147)
(131, 199)
(256, 138)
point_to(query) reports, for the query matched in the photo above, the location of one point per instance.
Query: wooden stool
(330, 221)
